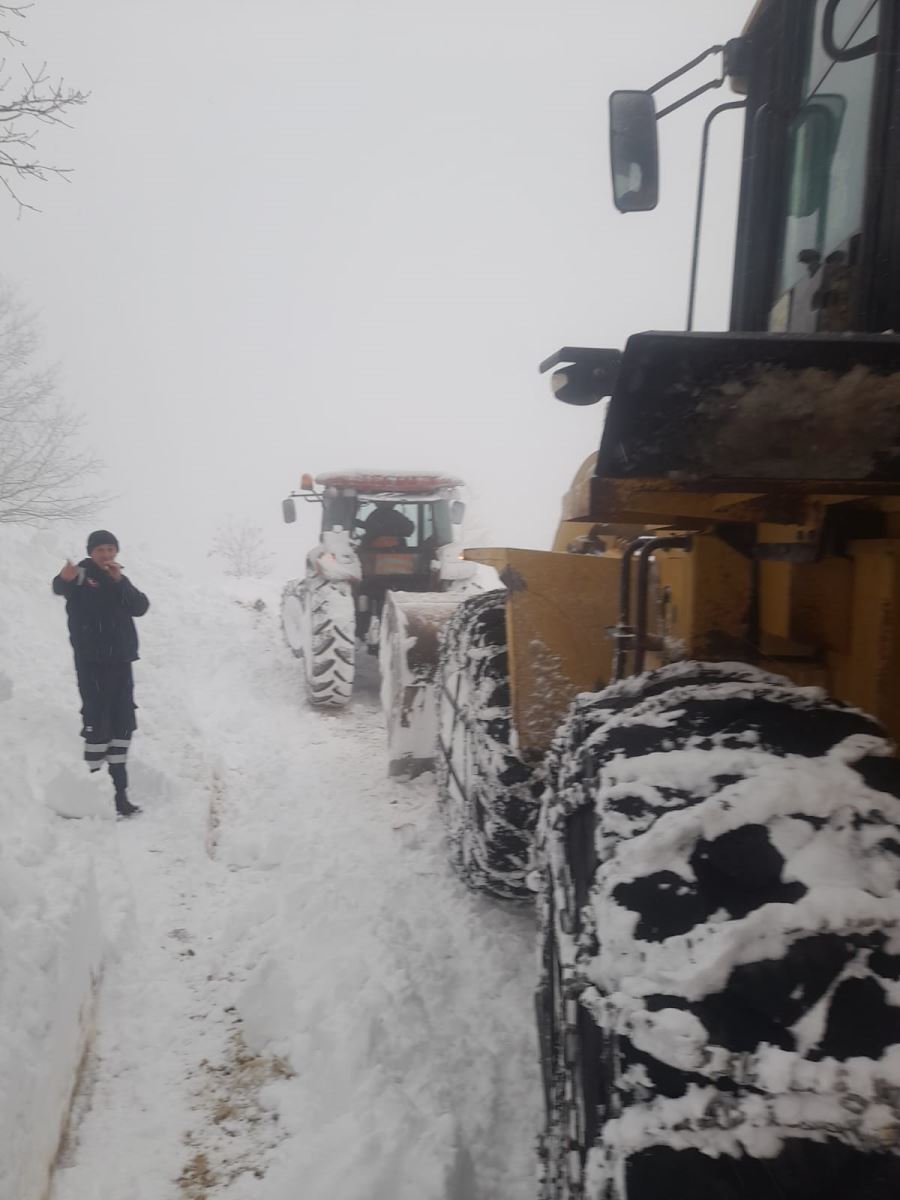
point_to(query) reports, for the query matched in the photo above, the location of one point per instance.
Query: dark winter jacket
(388, 522)
(101, 612)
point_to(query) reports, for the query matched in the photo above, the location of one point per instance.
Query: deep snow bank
(50, 933)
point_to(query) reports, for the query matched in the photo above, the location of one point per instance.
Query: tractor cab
(395, 533)
(397, 525)
(380, 532)
(398, 542)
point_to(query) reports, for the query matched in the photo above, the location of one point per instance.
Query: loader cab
(818, 244)
(818, 235)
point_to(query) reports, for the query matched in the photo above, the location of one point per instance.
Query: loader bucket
(411, 623)
(715, 410)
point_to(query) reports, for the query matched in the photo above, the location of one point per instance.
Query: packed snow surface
(291, 994)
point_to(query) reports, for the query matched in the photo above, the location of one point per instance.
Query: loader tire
(719, 858)
(319, 623)
(486, 790)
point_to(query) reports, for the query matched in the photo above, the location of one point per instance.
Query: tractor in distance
(388, 552)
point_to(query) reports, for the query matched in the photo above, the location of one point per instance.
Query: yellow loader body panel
(560, 608)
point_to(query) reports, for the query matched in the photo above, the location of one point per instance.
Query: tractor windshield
(827, 158)
(417, 524)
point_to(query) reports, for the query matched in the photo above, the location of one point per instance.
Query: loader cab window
(827, 166)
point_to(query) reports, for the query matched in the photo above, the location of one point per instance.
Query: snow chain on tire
(719, 1005)
(486, 790)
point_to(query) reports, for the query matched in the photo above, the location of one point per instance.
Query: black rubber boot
(124, 807)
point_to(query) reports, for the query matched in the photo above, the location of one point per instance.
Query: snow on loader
(388, 553)
(711, 819)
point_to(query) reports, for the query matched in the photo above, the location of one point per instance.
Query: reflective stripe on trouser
(95, 754)
(118, 750)
(113, 752)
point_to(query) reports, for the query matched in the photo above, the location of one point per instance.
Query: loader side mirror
(457, 512)
(289, 510)
(634, 151)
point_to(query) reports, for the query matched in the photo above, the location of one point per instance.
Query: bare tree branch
(45, 472)
(12, 10)
(24, 109)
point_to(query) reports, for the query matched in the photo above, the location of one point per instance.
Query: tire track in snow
(302, 992)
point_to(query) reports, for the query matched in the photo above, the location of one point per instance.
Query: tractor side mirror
(457, 512)
(289, 510)
(634, 151)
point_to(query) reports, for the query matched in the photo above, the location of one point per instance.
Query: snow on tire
(486, 790)
(720, 916)
(318, 618)
(293, 617)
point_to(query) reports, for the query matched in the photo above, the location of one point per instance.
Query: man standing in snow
(102, 604)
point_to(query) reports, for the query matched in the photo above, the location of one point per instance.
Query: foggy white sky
(307, 234)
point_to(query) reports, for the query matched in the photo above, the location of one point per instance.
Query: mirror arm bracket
(695, 62)
(705, 87)
(734, 54)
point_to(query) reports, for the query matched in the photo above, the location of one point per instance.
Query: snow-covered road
(298, 1001)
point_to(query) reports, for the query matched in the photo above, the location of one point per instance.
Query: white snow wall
(51, 942)
(46, 1012)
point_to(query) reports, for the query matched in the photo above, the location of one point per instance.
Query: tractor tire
(487, 792)
(719, 857)
(318, 619)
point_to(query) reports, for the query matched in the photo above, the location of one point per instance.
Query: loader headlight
(574, 385)
(586, 376)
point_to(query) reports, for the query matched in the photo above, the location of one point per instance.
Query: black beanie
(102, 537)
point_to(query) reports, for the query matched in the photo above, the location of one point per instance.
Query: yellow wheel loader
(677, 727)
